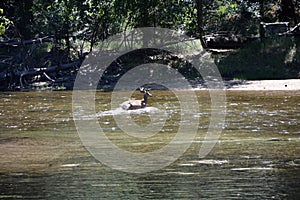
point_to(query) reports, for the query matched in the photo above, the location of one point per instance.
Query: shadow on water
(257, 156)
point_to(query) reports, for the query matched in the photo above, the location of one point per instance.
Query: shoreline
(231, 85)
(238, 85)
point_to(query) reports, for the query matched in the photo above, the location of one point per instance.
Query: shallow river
(256, 157)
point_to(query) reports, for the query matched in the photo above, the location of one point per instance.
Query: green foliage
(227, 9)
(3, 22)
(94, 20)
(91, 20)
(238, 16)
(167, 14)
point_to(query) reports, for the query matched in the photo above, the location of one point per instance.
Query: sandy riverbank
(288, 84)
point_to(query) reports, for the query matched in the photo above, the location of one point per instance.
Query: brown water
(257, 156)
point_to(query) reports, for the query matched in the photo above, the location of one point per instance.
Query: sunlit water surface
(256, 157)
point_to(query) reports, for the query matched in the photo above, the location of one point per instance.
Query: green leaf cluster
(3, 22)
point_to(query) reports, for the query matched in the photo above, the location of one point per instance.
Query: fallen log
(41, 71)
(14, 43)
(15, 78)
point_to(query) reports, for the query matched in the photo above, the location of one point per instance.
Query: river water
(256, 157)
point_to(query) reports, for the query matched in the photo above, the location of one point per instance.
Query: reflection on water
(257, 157)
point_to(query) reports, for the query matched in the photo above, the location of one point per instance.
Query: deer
(137, 104)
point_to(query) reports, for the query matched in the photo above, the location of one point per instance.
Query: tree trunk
(262, 16)
(145, 22)
(199, 7)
